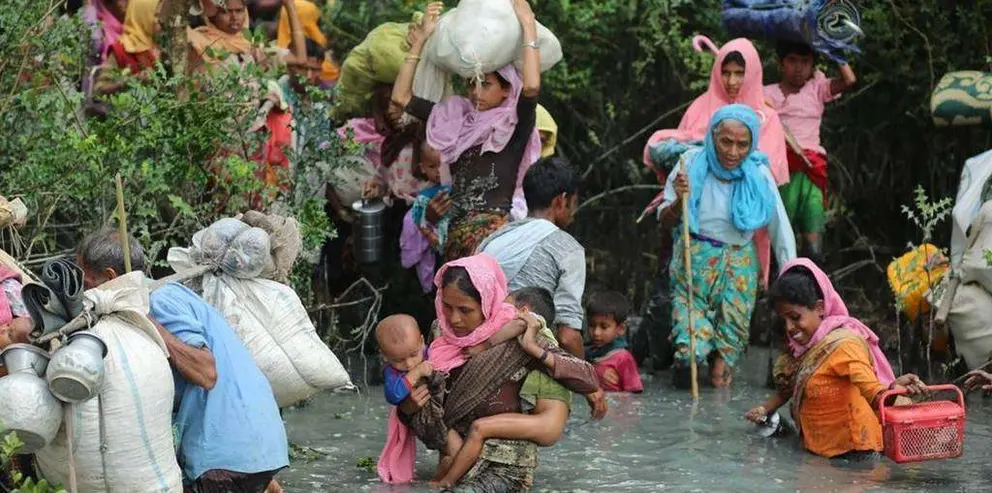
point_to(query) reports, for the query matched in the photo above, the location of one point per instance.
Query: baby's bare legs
(451, 447)
(544, 428)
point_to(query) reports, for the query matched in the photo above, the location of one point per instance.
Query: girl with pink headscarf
(470, 311)
(487, 140)
(834, 371)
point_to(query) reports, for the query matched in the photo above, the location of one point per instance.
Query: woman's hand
(427, 25)
(611, 377)
(524, 13)
(416, 401)
(438, 207)
(373, 189)
(530, 334)
(757, 415)
(597, 404)
(978, 378)
(474, 350)
(681, 185)
(912, 384)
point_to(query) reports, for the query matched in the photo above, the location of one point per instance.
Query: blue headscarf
(752, 201)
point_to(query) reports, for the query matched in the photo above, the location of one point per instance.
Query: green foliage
(186, 147)
(8, 449)
(367, 464)
(926, 214)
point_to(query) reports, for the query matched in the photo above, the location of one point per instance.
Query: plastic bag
(481, 36)
(212, 243)
(376, 60)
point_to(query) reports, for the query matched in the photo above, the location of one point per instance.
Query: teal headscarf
(752, 201)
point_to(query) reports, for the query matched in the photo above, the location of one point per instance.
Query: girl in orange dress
(834, 371)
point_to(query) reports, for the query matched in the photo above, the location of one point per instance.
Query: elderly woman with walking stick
(729, 193)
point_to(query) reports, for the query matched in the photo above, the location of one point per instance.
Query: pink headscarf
(696, 119)
(835, 316)
(695, 122)
(455, 126)
(110, 26)
(400, 452)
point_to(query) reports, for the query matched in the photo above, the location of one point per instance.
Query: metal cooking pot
(369, 232)
(76, 371)
(26, 405)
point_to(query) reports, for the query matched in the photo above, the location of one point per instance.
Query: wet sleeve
(177, 317)
(779, 229)
(573, 373)
(420, 108)
(395, 386)
(568, 293)
(630, 378)
(851, 360)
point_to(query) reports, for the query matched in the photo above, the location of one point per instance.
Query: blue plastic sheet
(829, 26)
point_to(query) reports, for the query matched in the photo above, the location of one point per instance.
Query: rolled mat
(46, 310)
(829, 26)
(962, 98)
(65, 279)
(57, 300)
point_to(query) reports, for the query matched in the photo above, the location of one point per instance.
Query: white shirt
(714, 214)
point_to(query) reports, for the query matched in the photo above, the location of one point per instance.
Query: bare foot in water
(443, 466)
(273, 487)
(720, 374)
(439, 484)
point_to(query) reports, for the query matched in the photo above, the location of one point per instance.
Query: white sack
(137, 396)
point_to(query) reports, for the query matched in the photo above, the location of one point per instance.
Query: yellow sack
(377, 60)
(912, 275)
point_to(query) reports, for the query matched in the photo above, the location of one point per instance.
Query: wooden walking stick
(122, 219)
(687, 260)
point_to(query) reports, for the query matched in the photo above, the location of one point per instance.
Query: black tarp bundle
(831, 27)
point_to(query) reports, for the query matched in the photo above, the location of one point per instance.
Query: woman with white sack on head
(486, 140)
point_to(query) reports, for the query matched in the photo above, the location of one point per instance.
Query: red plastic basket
(924, 431)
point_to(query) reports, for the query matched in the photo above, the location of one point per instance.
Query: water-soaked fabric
(506, 466)
(466, 234)
(832, 401)
(221, 481)
(803, 201)
(725, 284)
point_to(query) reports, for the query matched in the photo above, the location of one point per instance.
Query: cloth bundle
(376, 60)
(252, 245)
(829, 26)
(58, 299)
(962, 98)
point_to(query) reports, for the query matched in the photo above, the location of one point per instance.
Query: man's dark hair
(547, 179)
(786, 48)
(538, 300)
(609, 303)
(104, 249)
(314, 50)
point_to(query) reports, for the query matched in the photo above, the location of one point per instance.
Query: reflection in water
(654, 441)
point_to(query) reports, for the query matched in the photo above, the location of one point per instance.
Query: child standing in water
(799, 99)
(615, 367)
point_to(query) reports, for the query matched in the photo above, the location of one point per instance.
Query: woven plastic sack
(137, 399)
(962, 98)
(970, 320)
(377, 59)
(275, 327)
(211, 244)
(248, 255)
(284, 241)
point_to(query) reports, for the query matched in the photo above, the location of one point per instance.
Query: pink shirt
(802, 112)
(622, 362)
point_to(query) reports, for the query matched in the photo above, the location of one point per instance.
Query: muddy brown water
(656, 441)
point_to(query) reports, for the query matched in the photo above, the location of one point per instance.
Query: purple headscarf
(455, 126)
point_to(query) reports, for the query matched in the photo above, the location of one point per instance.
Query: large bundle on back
(962, 98)
(267, 316)
(122, 439)
(376, 60)
(829, 26)
(477, 37)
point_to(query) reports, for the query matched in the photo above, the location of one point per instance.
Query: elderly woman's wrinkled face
(733, 143)
(231, 18)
